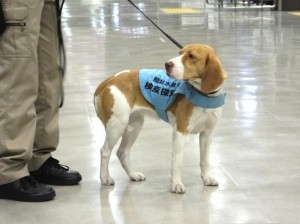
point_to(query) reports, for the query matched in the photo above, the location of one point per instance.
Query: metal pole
(279, 5)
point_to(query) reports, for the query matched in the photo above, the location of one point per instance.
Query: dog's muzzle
(169, 65)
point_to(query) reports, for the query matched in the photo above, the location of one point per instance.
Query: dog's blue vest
(161, 91)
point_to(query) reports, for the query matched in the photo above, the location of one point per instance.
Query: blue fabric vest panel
(161, 91)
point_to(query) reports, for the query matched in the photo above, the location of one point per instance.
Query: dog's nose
(169, 65)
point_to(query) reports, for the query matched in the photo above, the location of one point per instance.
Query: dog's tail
(98, 92)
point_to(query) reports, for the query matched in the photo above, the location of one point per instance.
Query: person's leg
(47, 103)
(18, 92)
(43, 168)
(18, 87)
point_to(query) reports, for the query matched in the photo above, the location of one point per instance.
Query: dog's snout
(169, 65)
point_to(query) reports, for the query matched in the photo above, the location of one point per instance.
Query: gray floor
(255, 153)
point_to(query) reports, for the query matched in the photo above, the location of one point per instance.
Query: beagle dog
(121, 104)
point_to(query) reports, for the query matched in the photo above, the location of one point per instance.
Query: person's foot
(26, 189)
(51, 172)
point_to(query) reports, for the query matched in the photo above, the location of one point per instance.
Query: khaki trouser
(30, 82)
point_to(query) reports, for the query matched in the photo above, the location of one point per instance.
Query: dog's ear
(214, 74)
(182, 51)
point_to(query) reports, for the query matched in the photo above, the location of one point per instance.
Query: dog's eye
(191, 56)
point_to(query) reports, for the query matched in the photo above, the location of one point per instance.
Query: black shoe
(51, 172)
(26, 189)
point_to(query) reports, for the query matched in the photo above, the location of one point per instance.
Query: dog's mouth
(169, 74)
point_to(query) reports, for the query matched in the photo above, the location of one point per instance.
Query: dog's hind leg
(113, 134)
(130, 135)
(115, 128)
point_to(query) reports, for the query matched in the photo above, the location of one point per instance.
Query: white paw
(107, 181)
(178, 188)
(209, 181)
(137, 177)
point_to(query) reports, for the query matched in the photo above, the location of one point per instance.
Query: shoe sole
(26, 198)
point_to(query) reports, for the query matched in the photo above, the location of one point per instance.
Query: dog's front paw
(137, 177)
(178, 188)
(107, 181)
(209, 181)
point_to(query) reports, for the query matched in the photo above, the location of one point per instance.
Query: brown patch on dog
(214, 75)
(104, 107)
(194, 61)
(182, 109)
(127, 83)
(201, 61)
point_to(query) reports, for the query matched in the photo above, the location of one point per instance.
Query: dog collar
(161, 91)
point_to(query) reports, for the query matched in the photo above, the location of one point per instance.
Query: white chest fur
(203, 119)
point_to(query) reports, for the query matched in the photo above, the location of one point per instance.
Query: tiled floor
(256, 150)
